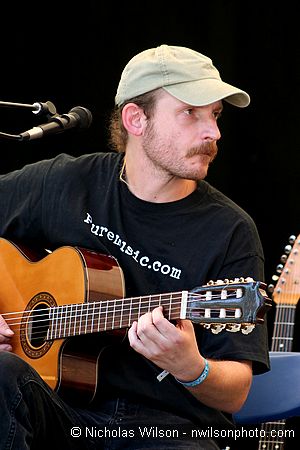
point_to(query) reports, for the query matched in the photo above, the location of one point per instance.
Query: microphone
(77, 117)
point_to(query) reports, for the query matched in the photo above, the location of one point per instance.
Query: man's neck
(153, 185)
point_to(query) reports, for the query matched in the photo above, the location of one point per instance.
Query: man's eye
(217, 114)
(189, 111)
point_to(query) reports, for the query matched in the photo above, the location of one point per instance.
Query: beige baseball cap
(186, 74)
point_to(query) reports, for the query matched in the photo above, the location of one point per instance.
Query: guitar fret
(92, 318)
(80, 320)
(62, 321)
(285, 338)
(121, 314)
(87, 308)
(75, 319)
(277, 422)
(264, 442)
(50, 329)
(56, 335)
(106, 316)
(139, 310)
(286, 306)
(113, 315)
(111, 311)
(170, 306)
(55, 322)
(285, 324)
(70, 319)
(52, 323)
(129, 314)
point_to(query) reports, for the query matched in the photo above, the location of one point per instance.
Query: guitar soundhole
(35, 325)
(38, 325)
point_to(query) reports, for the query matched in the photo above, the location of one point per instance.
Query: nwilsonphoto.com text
(176, 432)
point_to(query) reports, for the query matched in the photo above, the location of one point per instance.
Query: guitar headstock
(233, 305)
(287, 289)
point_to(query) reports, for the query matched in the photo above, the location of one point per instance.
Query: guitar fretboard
(107, 315)
(271, 432)
(284, 324)
(270, 436)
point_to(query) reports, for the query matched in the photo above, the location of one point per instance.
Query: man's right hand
(5, 336)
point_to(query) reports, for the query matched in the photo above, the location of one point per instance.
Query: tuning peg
(279, 268)
(246, 329)
(288, 249)
(233, 327)
(283, 258)
(249, 279)
(271, 288)
(275, 277)
(292, 239)
(217, 328)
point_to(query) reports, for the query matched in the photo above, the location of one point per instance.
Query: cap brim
(205, 92)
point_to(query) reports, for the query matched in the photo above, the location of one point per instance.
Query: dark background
(72, 53)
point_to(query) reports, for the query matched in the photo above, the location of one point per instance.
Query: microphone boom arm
(77, 117)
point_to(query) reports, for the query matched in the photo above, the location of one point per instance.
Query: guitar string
(268, 442)
(109, 303)
(55, 334)
(63, 312)
(78, 331)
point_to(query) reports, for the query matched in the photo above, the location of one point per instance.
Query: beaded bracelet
(198, 380)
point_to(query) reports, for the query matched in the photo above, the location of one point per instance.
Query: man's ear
(134, 119)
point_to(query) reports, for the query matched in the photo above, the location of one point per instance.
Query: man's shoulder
(88, 158)
(65, 163)
(218, 199)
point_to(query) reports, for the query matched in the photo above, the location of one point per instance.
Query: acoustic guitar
(286, 295)
(64, 307)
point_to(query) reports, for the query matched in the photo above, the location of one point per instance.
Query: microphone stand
(37, 108)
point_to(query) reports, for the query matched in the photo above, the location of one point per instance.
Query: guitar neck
(286, 295)
(284, 324)
(271, 435)
(107, 315)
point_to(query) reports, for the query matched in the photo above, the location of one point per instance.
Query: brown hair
(118, 135)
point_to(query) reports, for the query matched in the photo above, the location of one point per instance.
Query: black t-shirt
(164, 247)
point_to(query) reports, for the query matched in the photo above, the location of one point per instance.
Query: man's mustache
(207, 148)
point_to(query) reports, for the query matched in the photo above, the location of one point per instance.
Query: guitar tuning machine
(283, 258)
(246, 329)
(230, 281)
(217, 328)
(288, 249)
(279, 268)
(233, 327)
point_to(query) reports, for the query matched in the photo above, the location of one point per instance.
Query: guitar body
(69, 305)
(31, 286)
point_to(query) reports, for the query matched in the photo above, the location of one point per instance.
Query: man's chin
(199, 172)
